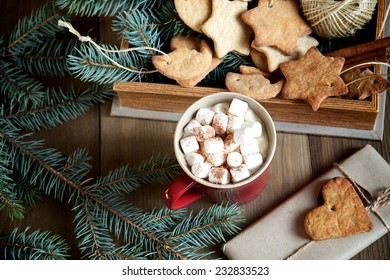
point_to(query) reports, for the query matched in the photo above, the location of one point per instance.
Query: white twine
(337, 19)
(384, 20)
(365, 64)
(103, 51)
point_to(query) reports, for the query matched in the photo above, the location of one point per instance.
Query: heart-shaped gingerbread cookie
(342, 214)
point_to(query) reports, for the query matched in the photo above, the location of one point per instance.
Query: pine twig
(18, 88)
(31, 29)
(33, 246)
(8, 197)
(45, 59)
(55, 108)
(100, 7)
(89, 65)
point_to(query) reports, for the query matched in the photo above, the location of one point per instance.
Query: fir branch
(89, 65)
(8, 198)
(105, 211)
(157, 169)
(100, 7)
(107, 208)
(54, 108)
(26, 192)
(38, 164)
(31, 29)
(18, 88)
(230, 63)
(33, 246)
(119, 180)
(171, 22)
(45, 59)
(139, 28)
(130, 225)
(93, 238)
(125, 252)
(160, 242)
(167, 216)
(206, 228)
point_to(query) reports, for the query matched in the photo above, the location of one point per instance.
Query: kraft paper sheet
(280, 233)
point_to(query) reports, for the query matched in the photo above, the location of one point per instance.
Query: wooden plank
(334, 112)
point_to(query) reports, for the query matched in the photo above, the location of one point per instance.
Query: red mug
(187, 188)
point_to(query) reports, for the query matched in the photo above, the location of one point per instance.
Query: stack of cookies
(276, 37)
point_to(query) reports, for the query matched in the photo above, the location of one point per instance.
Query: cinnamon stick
(361, 48)
(380, 55)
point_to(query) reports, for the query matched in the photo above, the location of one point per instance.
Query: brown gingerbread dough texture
(313, 78)
(342, 214)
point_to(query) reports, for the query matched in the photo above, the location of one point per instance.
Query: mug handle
(182, 191)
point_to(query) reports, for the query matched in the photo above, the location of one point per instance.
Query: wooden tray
(334, 112)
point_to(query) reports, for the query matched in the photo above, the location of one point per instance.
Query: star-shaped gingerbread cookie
(280, 25)
(226, 29)
(276, 57)
(313, 78)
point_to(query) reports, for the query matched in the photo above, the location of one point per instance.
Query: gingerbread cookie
(193, 12)
(275, 57)
(182, 63)
(244, 69)
(279, 25)
(364, 83)
(313, 78)
(253, 85)
(194, 43)
(226, 28)
(342, 214)
(259, 60)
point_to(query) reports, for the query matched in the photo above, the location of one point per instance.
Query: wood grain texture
(337, 112)
(113, 142)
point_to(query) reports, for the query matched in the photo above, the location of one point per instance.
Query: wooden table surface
(113, 142)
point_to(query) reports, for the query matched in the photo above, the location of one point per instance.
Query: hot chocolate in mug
(187, 187)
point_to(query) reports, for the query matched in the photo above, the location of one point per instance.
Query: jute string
(104, 51)
(337, 19)
(382, 200)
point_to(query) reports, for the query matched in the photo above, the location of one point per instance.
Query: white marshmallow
(202, 151)
(230, 145)
(189, 144)
(221, 107)
(193, 158)
(239, 173)
(205, 116)
(220, 122)
(201, 169)
(219, 175)
(238, 107)
(234, 123)
(243, 135)
(250, 116)
(255, 127)
(251, 147)
(204, 132)
(216, 159)
(213, 145)
(263, 143)
(234, 159)
(253, 161)
(248, 131)
(189, 128)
